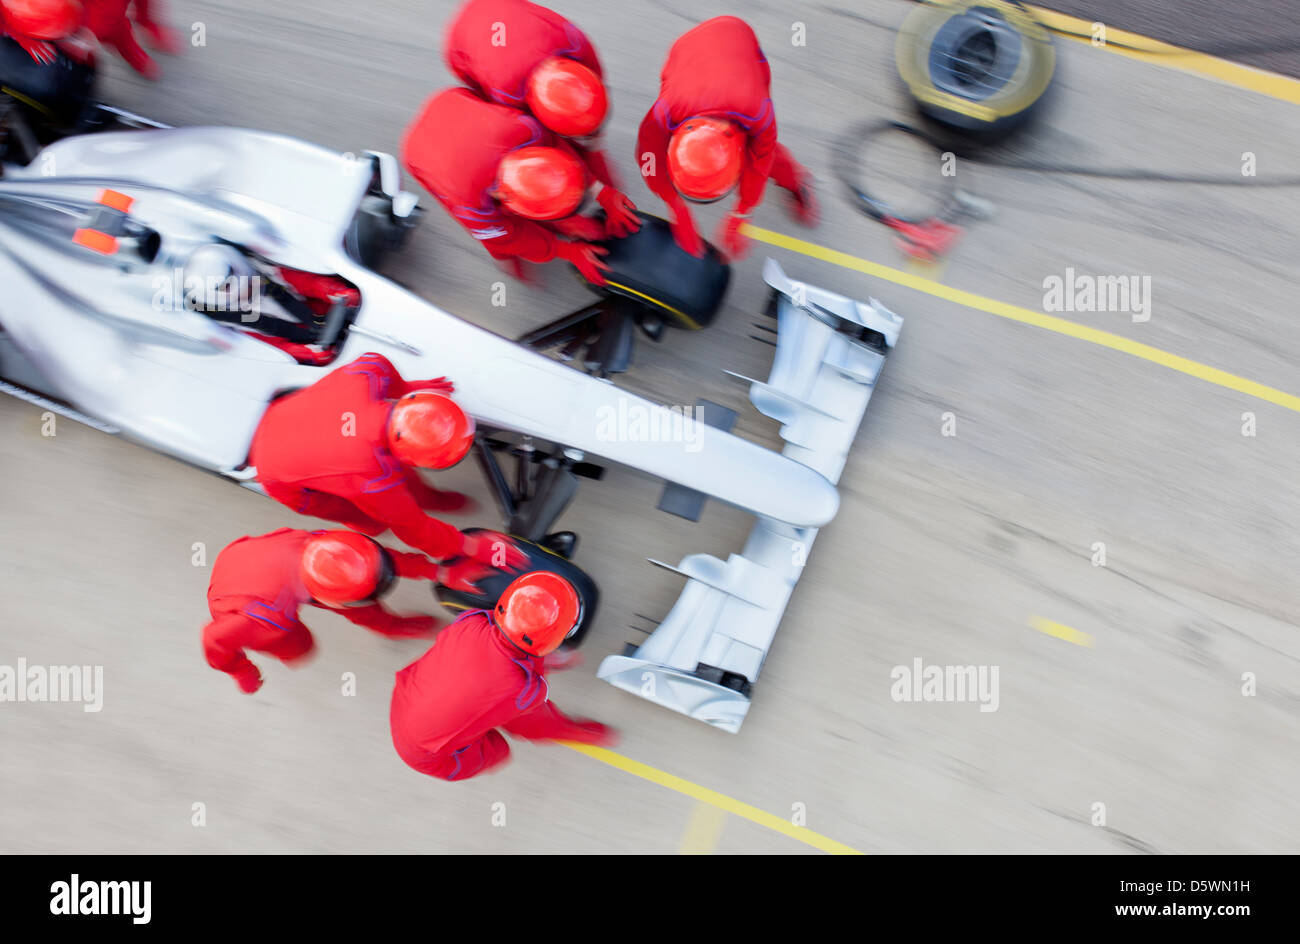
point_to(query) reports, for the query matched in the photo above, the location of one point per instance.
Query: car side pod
(705, 656)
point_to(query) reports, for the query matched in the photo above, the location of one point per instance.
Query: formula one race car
(95, 231)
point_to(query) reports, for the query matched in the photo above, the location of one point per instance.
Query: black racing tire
(649, 268)
(539, 558)
(375, 234)
(981, 67)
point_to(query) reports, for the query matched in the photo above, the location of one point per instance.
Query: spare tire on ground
(978, 66)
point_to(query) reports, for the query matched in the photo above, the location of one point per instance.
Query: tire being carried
(650, 269)
(978, 66)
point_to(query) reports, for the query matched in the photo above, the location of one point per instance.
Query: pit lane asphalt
(947, 548)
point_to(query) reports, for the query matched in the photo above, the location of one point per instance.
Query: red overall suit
(716, 70)
(256, 592)
(494, 45)
(323, 451)
(448, 703)
(454, 149)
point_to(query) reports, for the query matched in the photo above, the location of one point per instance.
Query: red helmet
(41, 19)
(341, 567)
(429, 430)
(567, 97)
(705, 157)
(538, 611)
(541, 183)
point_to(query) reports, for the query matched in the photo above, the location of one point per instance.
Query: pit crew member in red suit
(347, 448)
(713, 129)
(516, 186)
(519, 54)
(488, 671)
(259, 584)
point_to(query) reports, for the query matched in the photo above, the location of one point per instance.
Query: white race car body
(98, 331)
(105, 335)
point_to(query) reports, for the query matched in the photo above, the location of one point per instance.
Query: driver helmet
(217, 278)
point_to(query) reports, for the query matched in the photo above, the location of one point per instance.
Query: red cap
(429, 430)
(538, 611)
(341, 567)
(567, 97)
(541, 183)
(705, 157)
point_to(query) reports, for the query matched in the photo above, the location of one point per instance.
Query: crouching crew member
(516, 186)
(713, 129)
(488, 671)
(347, 448)
(519, 54)
(260, 583)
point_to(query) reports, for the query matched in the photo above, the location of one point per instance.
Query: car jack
(599, 337)
(544, 483)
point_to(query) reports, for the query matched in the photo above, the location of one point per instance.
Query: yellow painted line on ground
(719, 800)
(1158, 53)
(1028, 316)
(1061, 631)
(703, 831)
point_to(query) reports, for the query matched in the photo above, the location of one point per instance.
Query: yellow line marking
(703, 831)
(1027, 316)
(1061, 631)
(713, 798)
(1154, 51)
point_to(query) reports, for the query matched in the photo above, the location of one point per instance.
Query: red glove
(687, 237)
(593, 732)
(516, 267)
(580, 227)
(495, 550)
(620, 212)
(586, 259)
(41, 51)
(462, 575)
(562, 659)
(163, 38)
(436, 385)
(805, 208)
(735, 243)
(249, 680)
